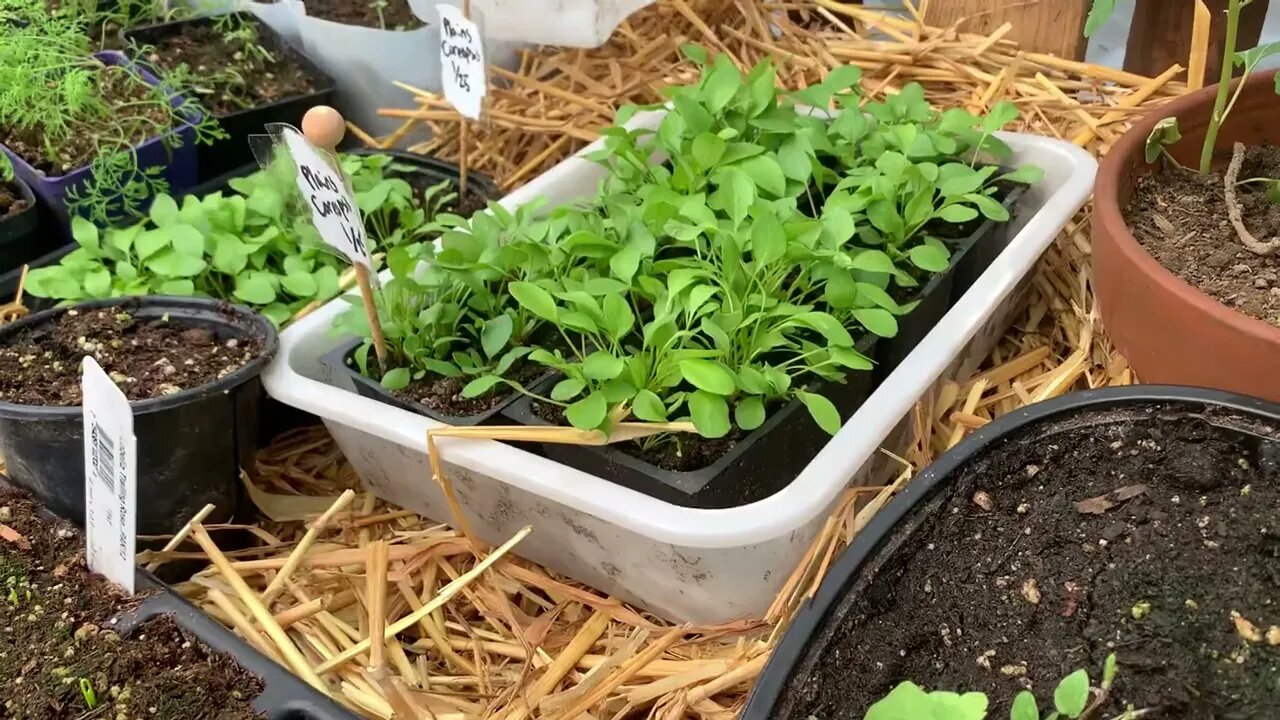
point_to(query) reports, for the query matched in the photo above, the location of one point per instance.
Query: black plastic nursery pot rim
(158, 305)
(221, 156)
(22, 236)
(793, 649)
(771, 456)
(191, 445)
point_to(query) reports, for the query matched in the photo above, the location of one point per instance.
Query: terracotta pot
(1170, 331)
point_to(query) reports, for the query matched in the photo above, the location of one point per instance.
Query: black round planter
(854, 574)
(191, 445)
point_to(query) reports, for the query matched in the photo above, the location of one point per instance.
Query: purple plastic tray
(180, 164)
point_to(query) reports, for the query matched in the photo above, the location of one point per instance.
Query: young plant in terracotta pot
(1186, 228)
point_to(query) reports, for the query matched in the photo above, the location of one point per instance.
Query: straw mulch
(502, 638)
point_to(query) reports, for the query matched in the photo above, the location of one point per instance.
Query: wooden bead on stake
(324, 128)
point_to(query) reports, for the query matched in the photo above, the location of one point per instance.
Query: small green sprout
(86, 691)
(908, 701)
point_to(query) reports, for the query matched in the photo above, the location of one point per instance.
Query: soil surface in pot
(1156, 540)
(237, 74)
(443, 395)
(58, 618)
(677, 452)
(396, 15)
(11, 201)
(1181, 218)
(147, 358)
(465, 205)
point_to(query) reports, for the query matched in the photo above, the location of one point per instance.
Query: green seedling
(1071, 699)
(256, 246)
(72, 110)
(87, 692)
(1226, 98)
(730, 263)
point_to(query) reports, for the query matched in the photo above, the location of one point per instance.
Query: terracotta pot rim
(1108, 212)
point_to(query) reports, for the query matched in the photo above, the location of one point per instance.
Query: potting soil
(1157, 541)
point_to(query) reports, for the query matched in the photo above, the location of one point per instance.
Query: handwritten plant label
(110, 477)
(333, 209)
(462, 67)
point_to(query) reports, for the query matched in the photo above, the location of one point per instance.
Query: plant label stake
(110, 477)
(462, 73)
(333, 206)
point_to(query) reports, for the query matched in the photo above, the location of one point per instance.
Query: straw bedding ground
(509, 641)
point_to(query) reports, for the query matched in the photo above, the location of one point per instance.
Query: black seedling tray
(285, 696)
(757, 466)
(26, 235)
(226, 155)
(970, 257)
(341, 360)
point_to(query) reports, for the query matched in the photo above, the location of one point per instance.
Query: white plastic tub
(685, 564)
(366, 62)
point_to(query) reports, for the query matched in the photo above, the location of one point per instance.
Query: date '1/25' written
(457, 46)
(462, 61)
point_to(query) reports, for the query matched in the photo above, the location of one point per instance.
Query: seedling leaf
(1163, 135)
(1072, 694)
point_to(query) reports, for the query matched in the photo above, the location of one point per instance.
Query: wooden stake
(324, 128)
(463, 131)
(1198, 63)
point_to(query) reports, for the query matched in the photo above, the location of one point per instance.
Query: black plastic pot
(857, 567)
(226, 155)
(435, 170)
(341, 360)
(970, 257)
(22, 236)
(191, 445)
(757, 466)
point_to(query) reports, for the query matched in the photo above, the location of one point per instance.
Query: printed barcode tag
(110, 477)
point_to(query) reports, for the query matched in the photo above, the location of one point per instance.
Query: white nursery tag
(333, 209)
(462, 69)
(110, 477)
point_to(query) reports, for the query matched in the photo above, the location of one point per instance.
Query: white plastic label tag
(333, 209)
(462, 68)
(110, 477)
